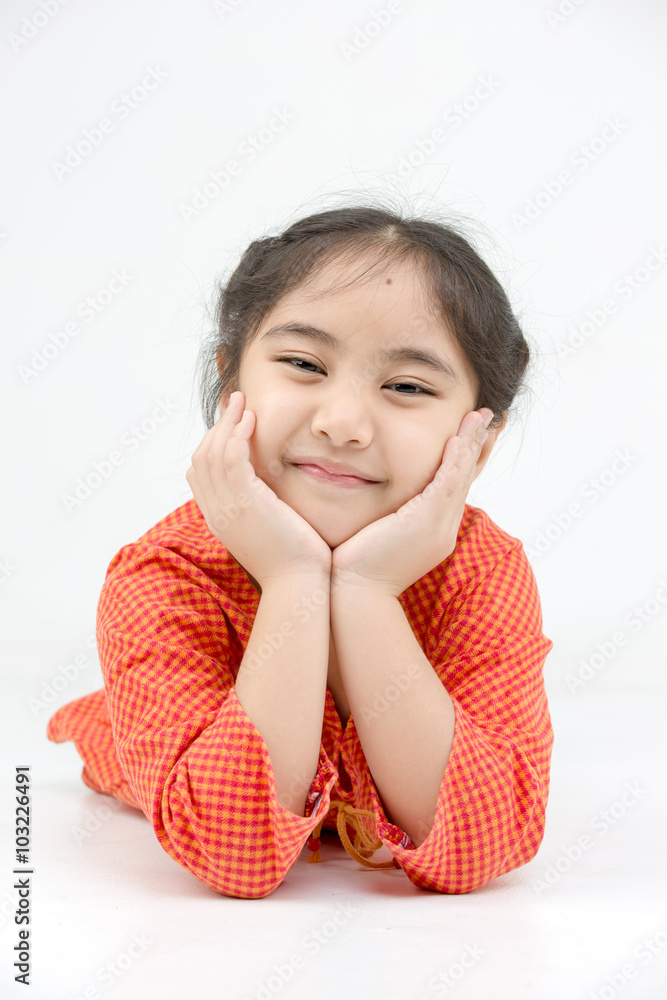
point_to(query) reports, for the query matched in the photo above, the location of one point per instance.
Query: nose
(342, 415)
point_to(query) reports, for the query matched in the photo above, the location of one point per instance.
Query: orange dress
(169, 736)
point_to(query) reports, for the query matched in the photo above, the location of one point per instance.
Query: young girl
(328, 634)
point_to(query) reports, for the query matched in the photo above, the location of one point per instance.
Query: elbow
(250, 876)
(228, 884)
(231, 876)
(450, 884)
(467, 863)
(243, 871)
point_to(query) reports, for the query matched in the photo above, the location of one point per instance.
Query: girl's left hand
(392, 553)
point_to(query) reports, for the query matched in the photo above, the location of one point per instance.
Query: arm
(282, 691)
(406, 737)
(485, 647)
(195, 761)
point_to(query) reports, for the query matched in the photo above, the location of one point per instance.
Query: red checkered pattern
(169, 736)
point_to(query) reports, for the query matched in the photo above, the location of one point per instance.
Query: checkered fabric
(168, 734)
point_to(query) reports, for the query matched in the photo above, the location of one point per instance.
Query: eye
(418, 390)
(410, 385)
(302, 361)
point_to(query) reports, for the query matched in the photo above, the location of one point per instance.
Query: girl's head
(350, 289)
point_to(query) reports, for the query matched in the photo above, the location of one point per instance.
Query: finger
(482, 431)
(228, 420)
(220, 429)
(455, 469)
(240, 474)
(237, 449)
(473, 430)
(208, 459)
(203, 475)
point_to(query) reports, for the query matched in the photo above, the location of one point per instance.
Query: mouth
(316, 472)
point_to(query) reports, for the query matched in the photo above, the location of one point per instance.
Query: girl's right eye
(302, 361)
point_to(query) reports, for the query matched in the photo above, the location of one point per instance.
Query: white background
(587, 271)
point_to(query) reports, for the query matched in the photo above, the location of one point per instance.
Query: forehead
(389, 297)
(389, 300)
(394, 294)
(350, 277)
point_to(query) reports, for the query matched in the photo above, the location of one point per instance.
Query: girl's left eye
(410, 385)
(302, 361)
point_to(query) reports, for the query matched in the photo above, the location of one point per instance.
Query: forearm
(281, 685)
(406, 736)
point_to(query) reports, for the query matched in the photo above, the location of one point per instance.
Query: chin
(335, 535)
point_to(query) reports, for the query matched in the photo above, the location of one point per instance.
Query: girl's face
(334, 377)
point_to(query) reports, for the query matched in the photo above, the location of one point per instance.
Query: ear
(487, 447)
(219, 361)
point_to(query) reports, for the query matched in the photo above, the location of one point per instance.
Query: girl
(328, 634)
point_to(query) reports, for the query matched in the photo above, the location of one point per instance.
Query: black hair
(462, 289)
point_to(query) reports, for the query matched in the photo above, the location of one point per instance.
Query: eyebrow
(416, 355)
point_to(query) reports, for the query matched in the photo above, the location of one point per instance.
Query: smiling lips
(341, 475)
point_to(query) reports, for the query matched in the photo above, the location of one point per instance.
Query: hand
(264, 534)
(392, 553)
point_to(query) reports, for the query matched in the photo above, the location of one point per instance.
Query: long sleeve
(484, 639)
(193, 760)
(169, 736)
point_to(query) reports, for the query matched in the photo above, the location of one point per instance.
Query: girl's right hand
(264, 534)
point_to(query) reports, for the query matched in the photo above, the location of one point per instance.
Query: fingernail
(487, 419)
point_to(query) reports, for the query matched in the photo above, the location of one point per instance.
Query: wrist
(298, 580)
(346, 585)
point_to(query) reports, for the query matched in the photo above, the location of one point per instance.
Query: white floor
(114, 916)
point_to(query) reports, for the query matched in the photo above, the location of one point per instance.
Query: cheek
(420, 460)
(267, 446)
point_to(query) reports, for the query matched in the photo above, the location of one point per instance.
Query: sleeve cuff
(476, 829)
(317, 801)
(426, 860)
